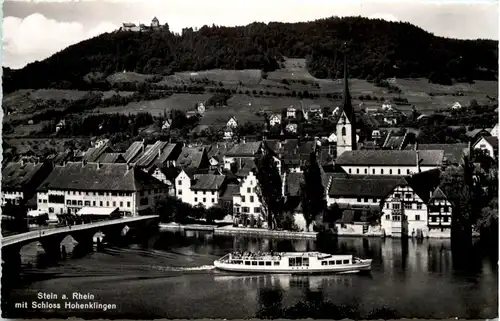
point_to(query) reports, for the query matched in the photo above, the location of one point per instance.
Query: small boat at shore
(292, 262)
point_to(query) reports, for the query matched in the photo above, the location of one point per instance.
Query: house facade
(247, 202)
(439, 215)
(488, 144)
(275, 120)
(73, 186)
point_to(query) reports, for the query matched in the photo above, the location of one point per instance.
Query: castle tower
(346, 125)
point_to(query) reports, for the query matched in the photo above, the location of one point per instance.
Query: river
(170, 275)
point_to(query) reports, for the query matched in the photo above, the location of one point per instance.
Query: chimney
(418, 161)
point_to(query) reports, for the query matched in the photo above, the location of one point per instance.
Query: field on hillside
(38, 145)
(248, 76)
(184, 102)
(120, 77)
(292, 69)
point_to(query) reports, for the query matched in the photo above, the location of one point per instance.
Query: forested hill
(376, 48)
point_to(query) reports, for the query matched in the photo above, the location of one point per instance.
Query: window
(73, 202)
(179, 192)
(386, 205)
(324, 263)
(343, 131)
(87, 203)
(277, 263)
(100, 203)
(93, 203)
(213, 193)
(338, 262)
(331, 262)
(445, 219)
(261, 262)
(243, 198)
(407, 206)
(390, 171)
(373, 171)
(204, 200)
(408, 195)
(68, 202)
(128, 204)
(366, 170)
(408, 171)
(345, 262)
(446, 209)
(51, 210)
(247, 262)
(86, 193)
(387, 217)
(268, 263)
(254, 262)
(417, 217)
(114, 203)
(397, 195)
(399, 172)
(251, 199)
(204, 192)
(179, 182)
(433, 219)
(121, 204)
(366, 199)
(359, 199)
(256, 210)
(374, 200)
(44, 201)
(419, 206)
(396, 206)
(396, 218)
(349, 171)
(213, 200)
(382, 171)
(245, 209)
(196, 199)
(357, 170)
(249, 190)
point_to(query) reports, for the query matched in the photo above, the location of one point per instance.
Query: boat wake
(183, 269)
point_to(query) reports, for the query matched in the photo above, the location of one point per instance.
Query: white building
(456, 106)
(206, 189)
(390, 162)
(291, 128)
(387, 106)
(439, 215)
(247, 201)
(405, 209)
(291, 112)
(73, 186)
(232, 122)
(166, 124)
(489, 144)
(275, 120)
(228, 132)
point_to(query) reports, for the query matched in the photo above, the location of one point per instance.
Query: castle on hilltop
(155, 26)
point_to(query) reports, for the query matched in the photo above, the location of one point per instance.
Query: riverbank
(250, 231)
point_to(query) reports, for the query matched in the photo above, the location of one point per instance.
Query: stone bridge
(51, 238)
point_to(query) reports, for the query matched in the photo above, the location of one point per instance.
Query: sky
(36, 29)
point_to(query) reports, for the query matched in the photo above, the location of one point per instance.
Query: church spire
(346, 103)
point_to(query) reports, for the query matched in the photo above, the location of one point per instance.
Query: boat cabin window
(254, 262)
(298, 261)
(261, 262)
(268, 263)
(346, 262)
(331, 262)
(338, 262)
(247, 262)
(324, 263)
(277, 263)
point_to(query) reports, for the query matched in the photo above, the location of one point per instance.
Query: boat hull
(352, 268)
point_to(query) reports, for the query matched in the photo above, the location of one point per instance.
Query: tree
(215, 213)
(312, 191)
(269, 189)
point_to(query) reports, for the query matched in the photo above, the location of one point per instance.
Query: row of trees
(172, 209)
(375, 47)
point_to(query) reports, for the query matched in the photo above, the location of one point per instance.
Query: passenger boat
(292, 262)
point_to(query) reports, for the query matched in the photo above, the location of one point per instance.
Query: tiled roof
(218, 149)
(151, 154)
(362, 187)
(394, 142)
(190, 157)
(492, 140)
(16, 175)
(391, 157)
(111, 158)
(424, 183)
(133, 151)
(103, 177)
(230, 191)
(453, 153)
(438, 194)
(208, 182)
(248, 149)
(93, 154)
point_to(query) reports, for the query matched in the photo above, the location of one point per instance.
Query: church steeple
(346, 125)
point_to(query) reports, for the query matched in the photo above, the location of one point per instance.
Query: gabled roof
(99, 177)
(151, 154)
(423, 184)
(493, 141)
(249, 149)
(453, 153)
(391, 157)
(134, 151)
(355, 187)
(170, 173)
(93, 154)
(111, 158)
(16, 175)
(191, 157)
(438, 194)
(208, 182)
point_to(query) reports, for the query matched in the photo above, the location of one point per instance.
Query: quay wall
(229, 230)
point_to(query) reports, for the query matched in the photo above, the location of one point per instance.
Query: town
(368, 181)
